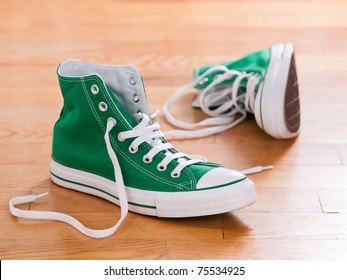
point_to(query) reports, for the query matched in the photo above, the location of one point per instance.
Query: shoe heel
(279, 105)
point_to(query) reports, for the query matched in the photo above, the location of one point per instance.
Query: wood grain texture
(300, 211)
(258, 249)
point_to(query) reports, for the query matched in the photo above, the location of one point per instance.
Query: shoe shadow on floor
(177, 233)
(206, 238)
(246, 145)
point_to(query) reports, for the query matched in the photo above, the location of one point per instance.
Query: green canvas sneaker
(263, 83)
(106, 144)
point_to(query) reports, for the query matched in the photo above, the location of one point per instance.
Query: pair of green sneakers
(105, 142)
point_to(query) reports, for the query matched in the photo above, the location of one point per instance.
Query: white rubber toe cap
(219, 176)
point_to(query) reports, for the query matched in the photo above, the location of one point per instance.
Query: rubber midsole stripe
(84, 185)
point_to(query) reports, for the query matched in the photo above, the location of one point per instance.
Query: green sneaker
(106, 144)
(263, 83)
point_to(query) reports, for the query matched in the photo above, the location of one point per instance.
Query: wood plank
(333, 200)
(133, 227)
(239, 225)
(30, 153)
(70, 247)
(284, 200)
(41, 98)
(20, 52)
(23, 176)
(40, 114)
(302, 176)
(33, 132)
(258, 249)
(29, 81)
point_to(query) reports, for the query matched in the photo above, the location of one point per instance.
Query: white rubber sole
(162, 204)
(270, 104)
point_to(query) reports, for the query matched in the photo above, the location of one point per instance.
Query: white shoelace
(143, 132)
(227, 100)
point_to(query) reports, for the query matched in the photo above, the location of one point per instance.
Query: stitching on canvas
(184, 185)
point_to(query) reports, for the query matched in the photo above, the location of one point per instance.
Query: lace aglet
(256, 169)
(267, 167)
(32, 197)
(155, 114)
(23, 199)
(41, 195)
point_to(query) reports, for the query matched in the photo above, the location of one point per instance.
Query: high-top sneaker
(106, 144)
(263, 83)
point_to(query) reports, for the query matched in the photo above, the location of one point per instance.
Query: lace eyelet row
(160, 167)
(103, 107)
(146, 159)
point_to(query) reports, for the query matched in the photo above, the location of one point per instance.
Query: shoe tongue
(130, 90)
(125, 83)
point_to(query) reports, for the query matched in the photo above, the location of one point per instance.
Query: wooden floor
(301, 208)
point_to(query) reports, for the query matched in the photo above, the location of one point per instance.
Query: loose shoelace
(227, 100)
(143, 132)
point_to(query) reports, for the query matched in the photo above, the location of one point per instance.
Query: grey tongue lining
(123, 81)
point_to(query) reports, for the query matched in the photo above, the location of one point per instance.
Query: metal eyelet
(120, 138)
(94, 89)
(132, 80)
(203, 81)
(161, 168)
(103, 107)
(175, 175)
(146, 159)
(132, 150)
(136, 97)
